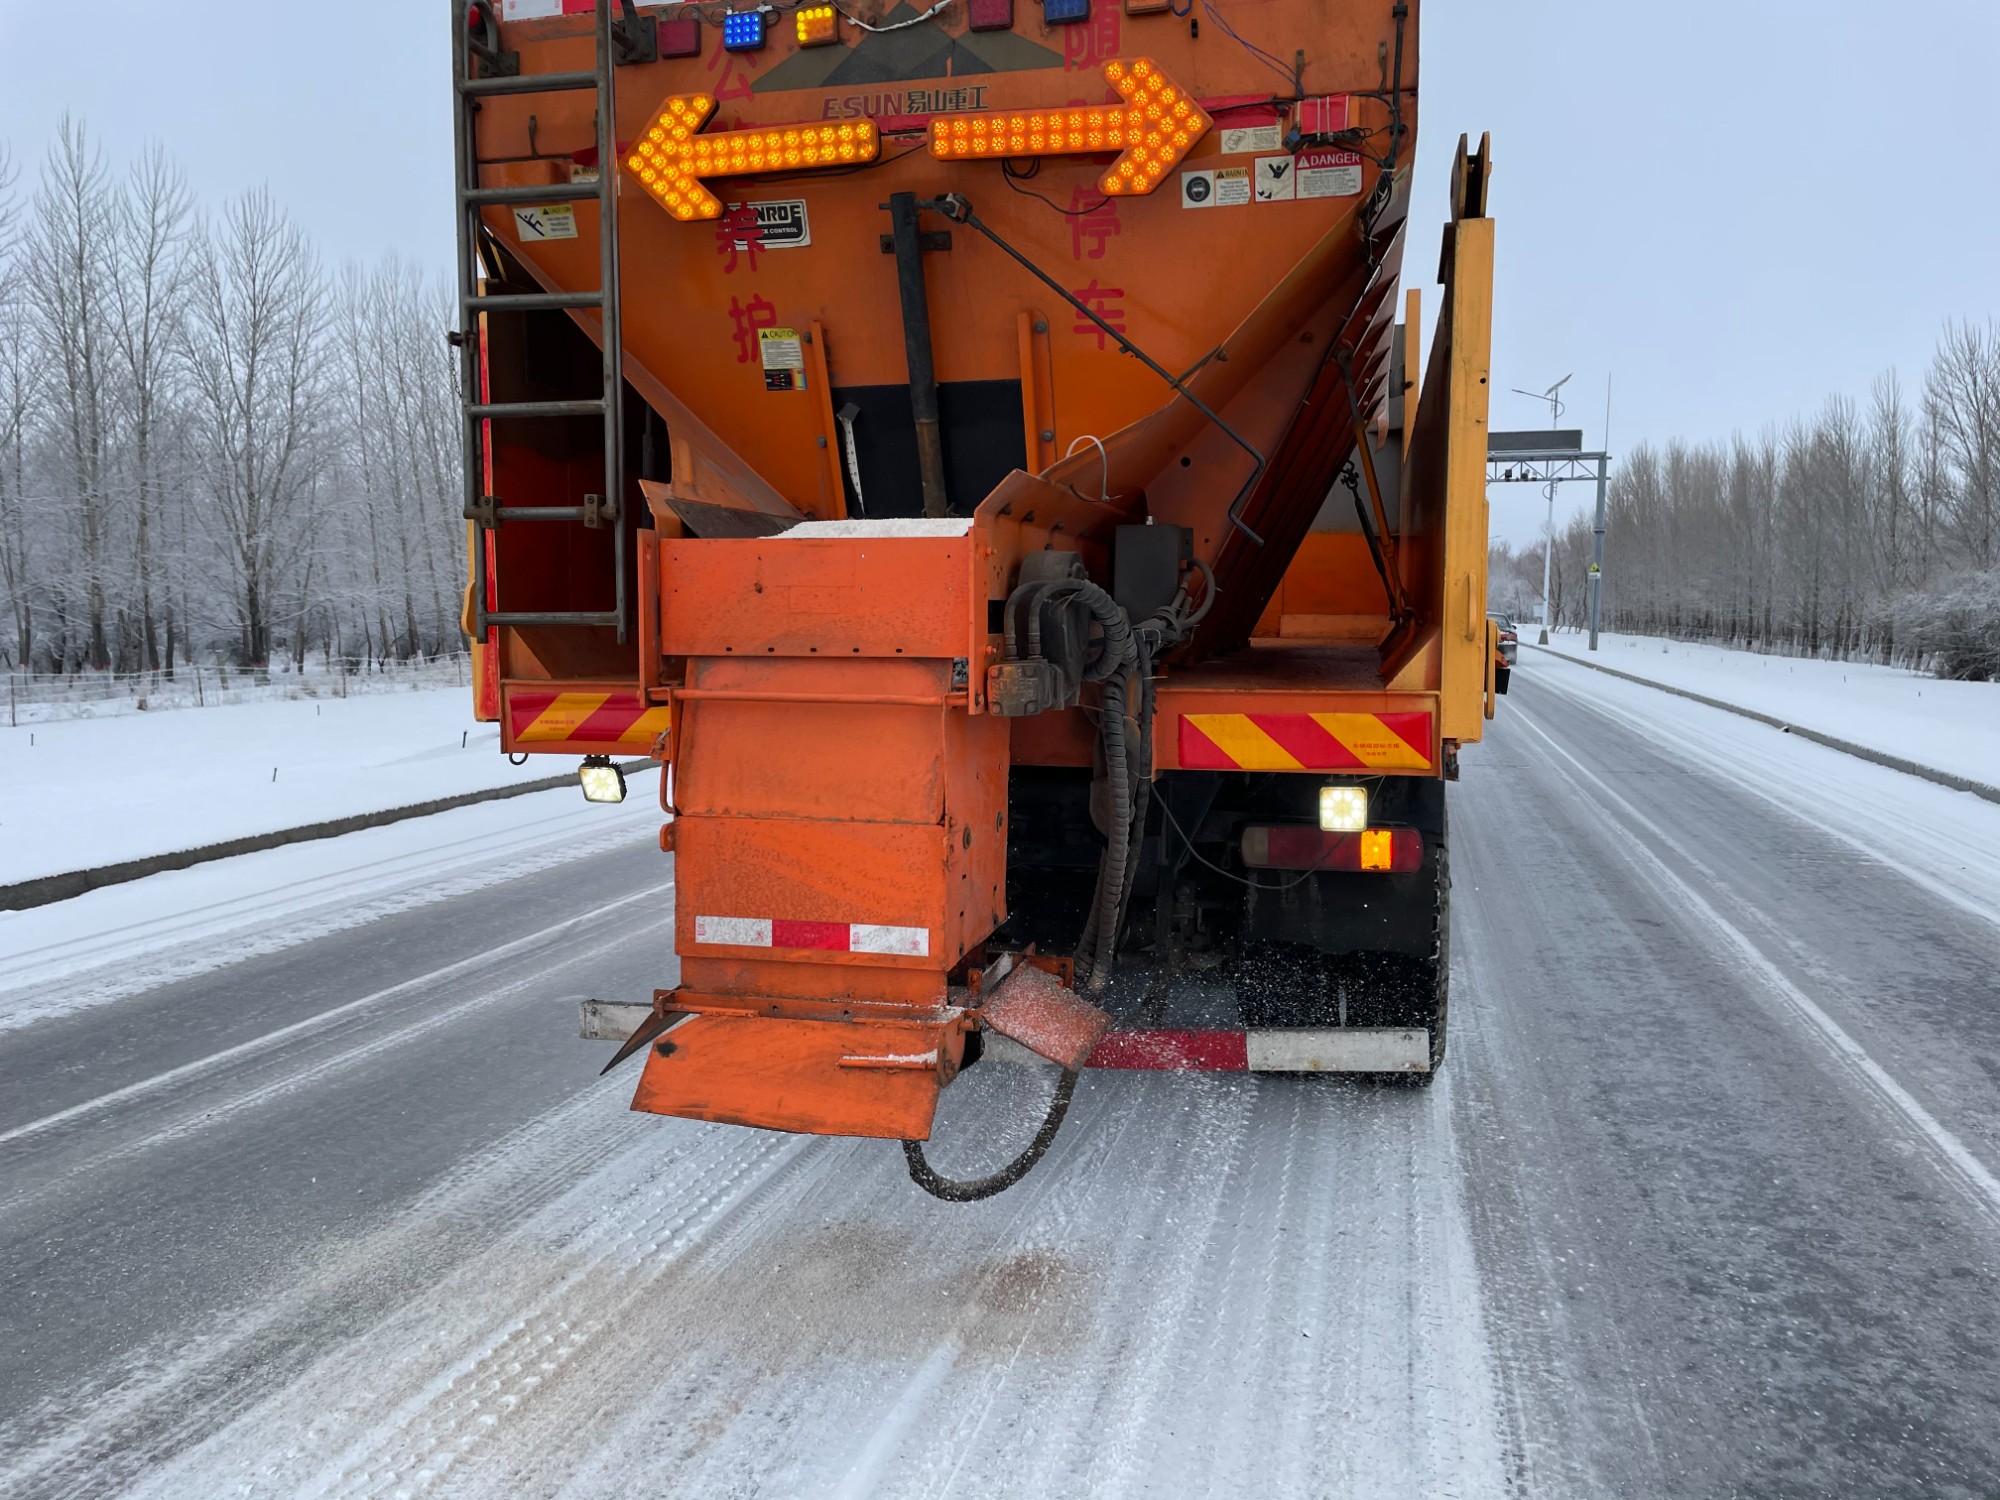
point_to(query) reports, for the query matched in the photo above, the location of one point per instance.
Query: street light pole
(1553, 395)
(1597, 547)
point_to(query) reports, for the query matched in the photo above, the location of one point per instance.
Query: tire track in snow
(709, 1311)
(1956, 1162)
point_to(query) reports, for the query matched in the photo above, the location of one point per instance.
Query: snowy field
(1949, 726)
(122, 940)
(88, 792)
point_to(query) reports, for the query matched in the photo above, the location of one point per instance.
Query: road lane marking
(1752, 779)
(258, 1044)
(1974, 1175)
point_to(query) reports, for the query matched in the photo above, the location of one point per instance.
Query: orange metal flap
(834, 596)
(864, 1077)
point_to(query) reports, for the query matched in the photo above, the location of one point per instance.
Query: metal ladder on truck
(626, 38)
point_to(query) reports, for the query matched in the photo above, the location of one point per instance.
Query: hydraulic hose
(971, 1190)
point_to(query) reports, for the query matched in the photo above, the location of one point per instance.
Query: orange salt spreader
(978, 449)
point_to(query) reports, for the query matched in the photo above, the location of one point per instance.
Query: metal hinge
(600, 510)
(486, 511)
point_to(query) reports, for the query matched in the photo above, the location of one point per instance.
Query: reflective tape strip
(533, 10)
(734, 932)
(828, 937)
(540, 717)
(905, 942)
(1289, 1050)
(1306, 742)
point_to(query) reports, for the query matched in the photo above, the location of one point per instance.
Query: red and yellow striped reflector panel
(540, 717)
(1306, 742)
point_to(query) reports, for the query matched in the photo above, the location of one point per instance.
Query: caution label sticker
(1232, 186)
(783, 354)
(547, 221)
(1197, 190)
(1277, 179)
(1329, 174)
(1255, 138)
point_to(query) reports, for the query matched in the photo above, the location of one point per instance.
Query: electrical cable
(854, 20)
(1284, 70)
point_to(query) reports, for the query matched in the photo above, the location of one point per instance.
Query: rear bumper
(1358, 1049)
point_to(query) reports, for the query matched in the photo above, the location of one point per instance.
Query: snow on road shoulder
(124, 939)
(89, 792)
(1948, 726)
(1946, 841)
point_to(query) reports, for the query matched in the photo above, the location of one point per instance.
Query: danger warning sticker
(1277, 179)
(1329, 174)
(1232, 186)
(551, 221)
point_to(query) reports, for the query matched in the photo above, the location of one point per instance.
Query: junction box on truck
(984, 452)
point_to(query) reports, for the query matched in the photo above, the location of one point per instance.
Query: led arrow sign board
(1152, 127)
(671, 156)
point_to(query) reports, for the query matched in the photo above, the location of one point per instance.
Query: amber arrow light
(671, 155)
(1153, 126)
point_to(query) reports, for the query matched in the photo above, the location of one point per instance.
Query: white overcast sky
(1735, 209)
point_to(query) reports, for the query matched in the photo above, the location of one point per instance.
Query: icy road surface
(1704, 1204)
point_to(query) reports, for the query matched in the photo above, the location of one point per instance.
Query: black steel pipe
(528, 83)
(917, 351)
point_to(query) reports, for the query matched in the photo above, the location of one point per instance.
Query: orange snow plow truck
(982, 452)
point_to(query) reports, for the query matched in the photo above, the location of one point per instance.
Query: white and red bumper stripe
(1287, 1050)
(829, 937)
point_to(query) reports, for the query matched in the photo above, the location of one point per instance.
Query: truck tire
(1441, 1016)
(1281, 984)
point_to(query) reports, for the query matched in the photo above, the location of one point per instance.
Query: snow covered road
(1704, 1204)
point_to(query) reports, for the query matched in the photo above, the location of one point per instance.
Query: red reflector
(680, 37)
(990, 15)
(1298, 846)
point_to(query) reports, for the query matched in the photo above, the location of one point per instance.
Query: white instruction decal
(1277, 179)
(552, 221)
(532, 10)
(1232, 186)
(1329, 174)
(1197, 190)
(1256, 138)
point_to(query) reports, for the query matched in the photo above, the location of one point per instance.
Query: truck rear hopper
(871, 821)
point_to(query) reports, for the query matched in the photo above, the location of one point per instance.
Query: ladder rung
(532, 301)
(533, 83)
(505, 513)
(506, 410)
(552, 192)
(609, 617)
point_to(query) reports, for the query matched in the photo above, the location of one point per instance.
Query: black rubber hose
(952, 1190)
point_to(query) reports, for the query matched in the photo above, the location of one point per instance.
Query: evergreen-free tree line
(211, 447)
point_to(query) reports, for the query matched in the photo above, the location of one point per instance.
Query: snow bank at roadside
(89, 792)
(1949, 726)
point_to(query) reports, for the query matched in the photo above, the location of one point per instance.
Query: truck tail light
(1298, 846)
